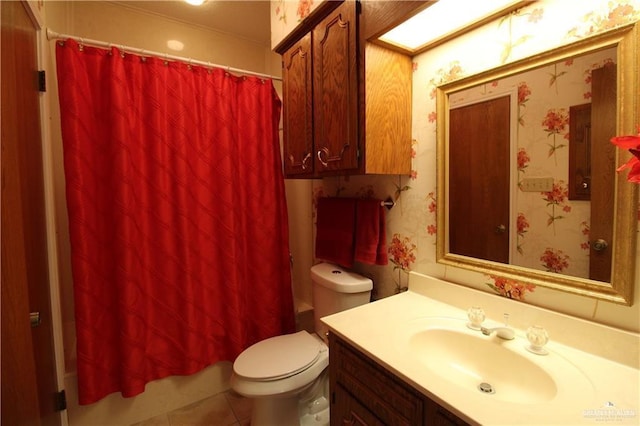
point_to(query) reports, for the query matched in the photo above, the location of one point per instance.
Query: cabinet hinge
(61, 400)
(42, 81)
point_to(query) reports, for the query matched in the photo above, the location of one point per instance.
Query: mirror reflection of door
(590, 153)
(603, 128)
(479, 190)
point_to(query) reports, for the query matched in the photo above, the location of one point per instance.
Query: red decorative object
(632, 143)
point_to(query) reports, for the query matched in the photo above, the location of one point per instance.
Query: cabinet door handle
(305, 161)
(325, 158)
(304, 164)
(322, 161)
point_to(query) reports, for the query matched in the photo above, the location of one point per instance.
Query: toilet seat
(279, 357)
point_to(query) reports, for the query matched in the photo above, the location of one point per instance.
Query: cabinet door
(349, 412)
(435, 415)
(335, 90)
(362, 392)
(298, 108)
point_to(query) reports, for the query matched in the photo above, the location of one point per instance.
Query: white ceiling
(248, 19)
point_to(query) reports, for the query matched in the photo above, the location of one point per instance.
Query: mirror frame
(624, 255)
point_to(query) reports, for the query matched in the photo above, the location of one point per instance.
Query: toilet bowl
(276, 372)
(287, 376)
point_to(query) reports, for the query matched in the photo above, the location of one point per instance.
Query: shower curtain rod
(52, 35)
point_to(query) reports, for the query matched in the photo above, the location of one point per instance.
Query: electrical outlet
(537, 184)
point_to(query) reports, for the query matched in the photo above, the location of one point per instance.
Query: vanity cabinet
(365, 393)
(346, 102)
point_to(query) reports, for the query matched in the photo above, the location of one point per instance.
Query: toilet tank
(334, 290)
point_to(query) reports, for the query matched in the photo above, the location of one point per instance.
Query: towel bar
(388, 203)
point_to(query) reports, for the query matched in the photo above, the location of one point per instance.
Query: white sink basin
(478, 362)
(502, 370)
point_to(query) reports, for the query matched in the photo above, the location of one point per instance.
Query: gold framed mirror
(565, 254)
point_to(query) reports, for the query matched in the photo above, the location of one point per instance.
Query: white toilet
(287, 376)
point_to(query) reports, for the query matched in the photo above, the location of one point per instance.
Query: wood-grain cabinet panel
(297, 111)
(335, 91)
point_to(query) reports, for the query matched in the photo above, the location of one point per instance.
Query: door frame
(43, 50)
(513, 160)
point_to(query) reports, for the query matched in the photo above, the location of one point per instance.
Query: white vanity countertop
(607, 391)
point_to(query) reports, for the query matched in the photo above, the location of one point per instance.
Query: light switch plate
(537, 184)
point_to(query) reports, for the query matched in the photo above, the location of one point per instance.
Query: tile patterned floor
(225, 409)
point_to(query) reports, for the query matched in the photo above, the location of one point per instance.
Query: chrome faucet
(505, 332)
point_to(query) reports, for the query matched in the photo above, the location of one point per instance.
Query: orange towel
(335, 230)
(370, 239)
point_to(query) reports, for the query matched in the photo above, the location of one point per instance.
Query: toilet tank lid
(338, 279)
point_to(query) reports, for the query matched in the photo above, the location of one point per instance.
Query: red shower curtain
(177, 216)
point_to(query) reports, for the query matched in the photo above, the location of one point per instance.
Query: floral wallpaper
(411, 223)
(286, 15)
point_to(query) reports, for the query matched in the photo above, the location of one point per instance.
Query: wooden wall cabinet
(297, 109)
(364, 393)
(347, 102)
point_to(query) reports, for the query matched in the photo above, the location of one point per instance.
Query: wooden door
(479, 180)
(297, 109)
(28, 368)
(335, 90)
(603, 128)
